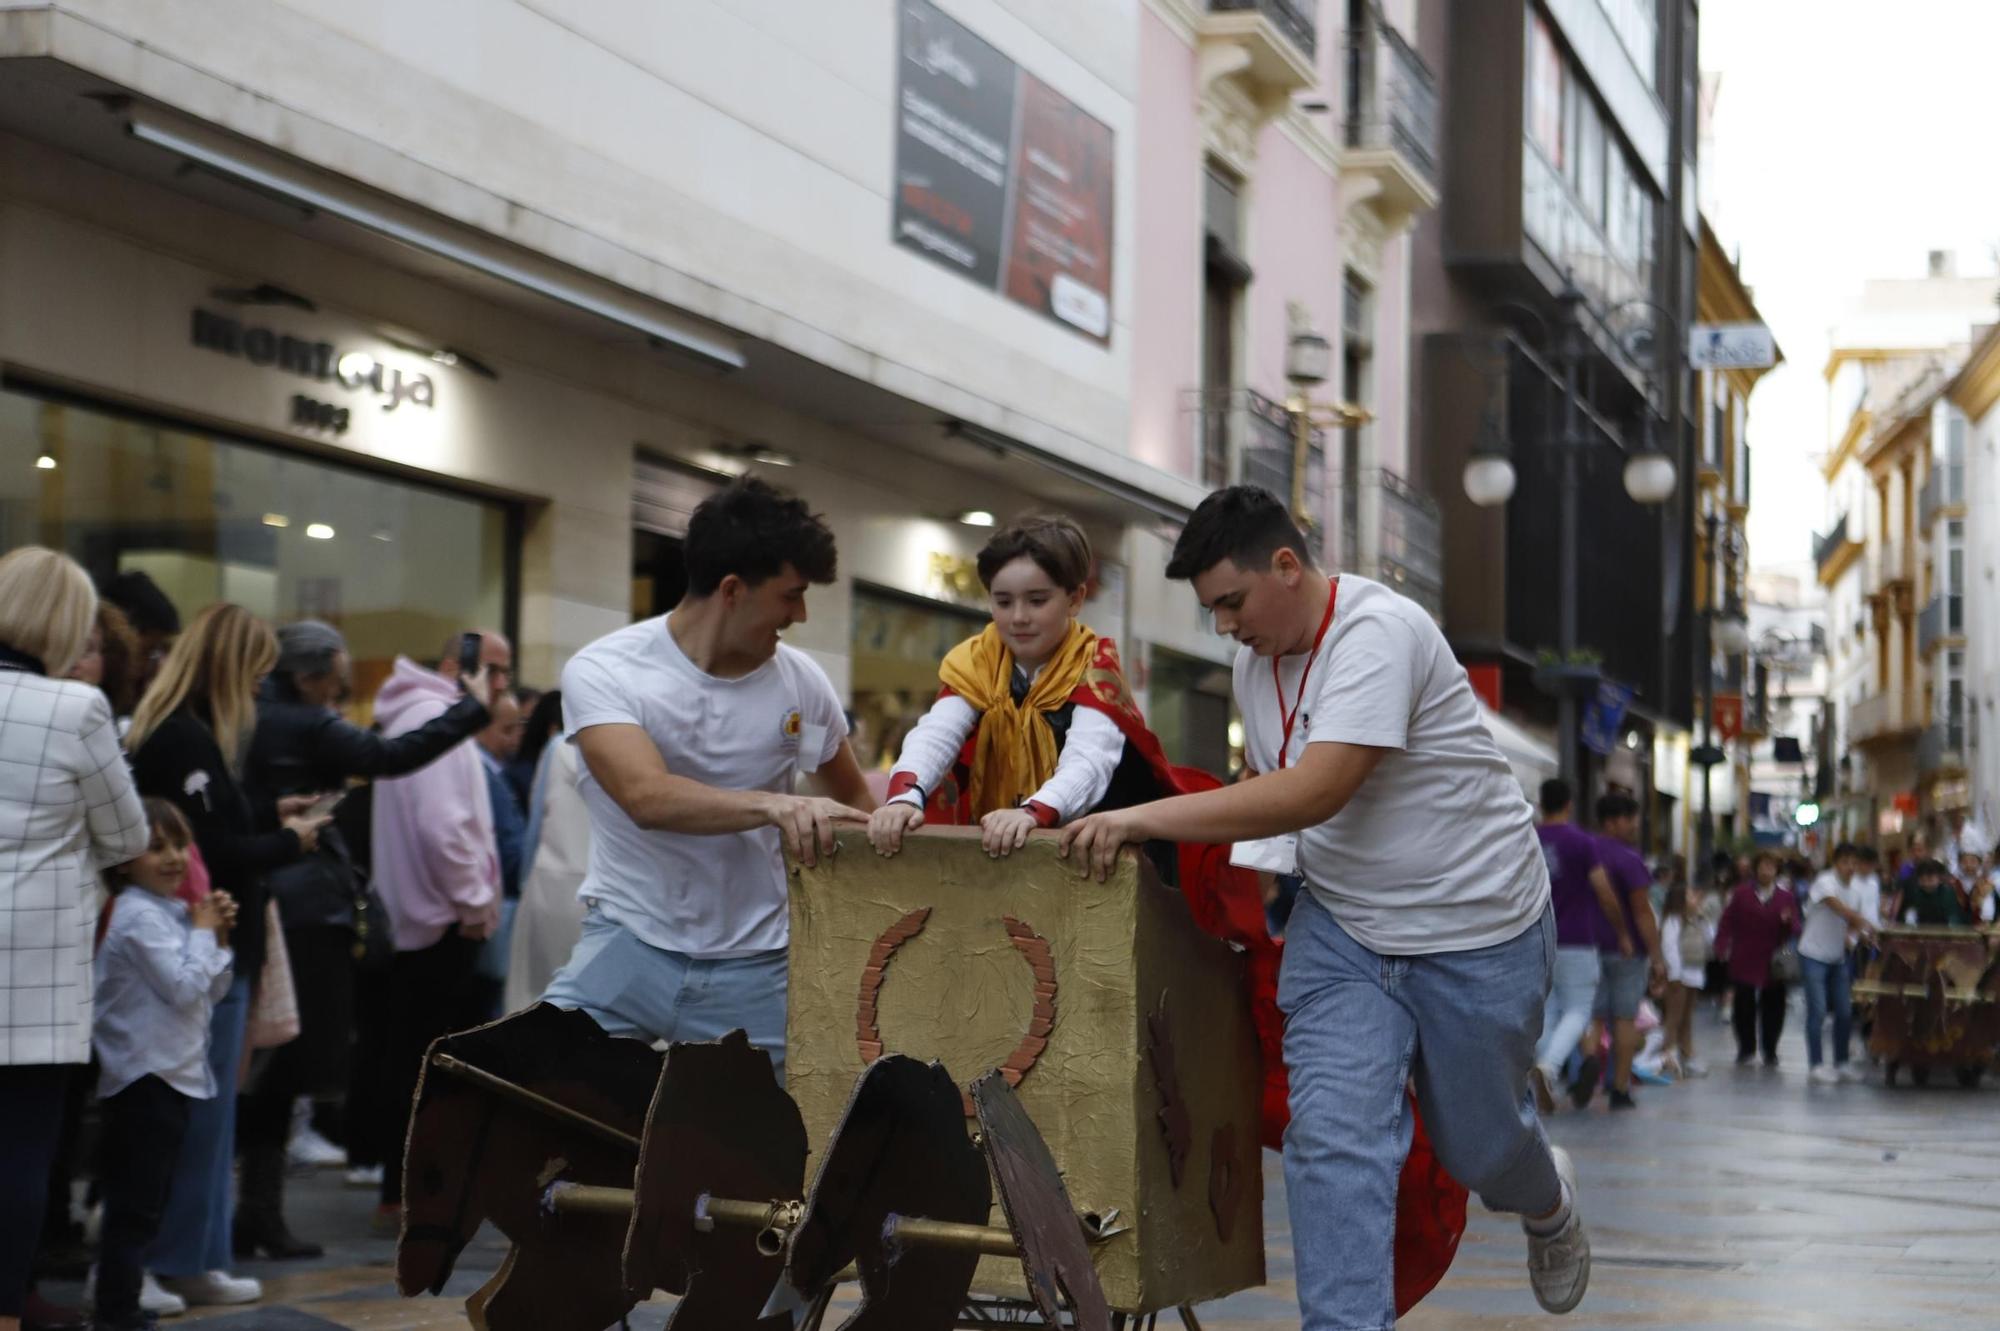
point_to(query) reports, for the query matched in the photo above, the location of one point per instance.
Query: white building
(1973, 396)
(1888, 547)
(416, 315)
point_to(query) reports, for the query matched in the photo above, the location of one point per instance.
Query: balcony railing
(1826, 546)
(1941, 747)
(1944, 489)
(1298, 20)
(1245, 436)
(1943, 618)
(1877, 717)
(1392, 99)
(1410, 557)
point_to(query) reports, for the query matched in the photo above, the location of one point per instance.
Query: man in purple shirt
(1626, 970)
(1582, 896)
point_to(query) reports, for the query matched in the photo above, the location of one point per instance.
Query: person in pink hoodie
(437, 868)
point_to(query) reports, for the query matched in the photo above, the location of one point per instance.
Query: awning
(1533, 761)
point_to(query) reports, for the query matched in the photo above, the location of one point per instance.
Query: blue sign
(1604, 717)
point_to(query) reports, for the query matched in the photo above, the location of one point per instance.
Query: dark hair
(753, 530)
(544, 724)
(1867, 854)
(1676, 904)
(1057, 545)
(1615, 805)
(1245, 524)
(1776, 861)
(1931, 869)
(120, 648)
(143, 603)
(165, 817)
(1556, 795)
(1847, 850)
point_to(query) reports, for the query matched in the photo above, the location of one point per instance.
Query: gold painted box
(1125, 1030)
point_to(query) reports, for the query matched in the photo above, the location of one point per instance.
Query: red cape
(1228, 903)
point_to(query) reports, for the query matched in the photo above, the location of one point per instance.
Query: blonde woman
(188, 739)
(67, 809)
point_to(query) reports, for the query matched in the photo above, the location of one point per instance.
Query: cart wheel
(1969, 1077)
(1889, 1071)
(1921, 1076)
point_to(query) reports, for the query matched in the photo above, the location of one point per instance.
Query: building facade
(1967, 492)
(412, 322)
(1891, 557)
(1570, 146)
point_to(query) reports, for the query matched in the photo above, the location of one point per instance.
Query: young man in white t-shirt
(693, 729)
(1424, 945)
(1834, 907)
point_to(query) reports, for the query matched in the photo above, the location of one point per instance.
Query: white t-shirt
(1437, 851)
(1824, 937)
(705, 896)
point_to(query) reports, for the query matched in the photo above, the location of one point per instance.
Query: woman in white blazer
(67, 809)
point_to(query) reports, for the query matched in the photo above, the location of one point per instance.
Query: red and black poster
(1000, 177)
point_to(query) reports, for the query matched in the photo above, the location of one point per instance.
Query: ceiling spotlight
(45, 462)
(757, 451)
(380, 534)
(976, 517)
(276, 520)
(319, 531)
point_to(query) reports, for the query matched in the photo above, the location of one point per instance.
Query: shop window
(899, 642)
(397, 567)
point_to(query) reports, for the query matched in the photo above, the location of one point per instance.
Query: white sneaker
(215, 1287)
(152, 1298)
(1848, 1072)
(1824, 1075)
(1559, 1263)
(1692, 1070)
(308, 1150)
(365, 1176)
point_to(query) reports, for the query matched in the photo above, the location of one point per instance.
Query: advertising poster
(999, 177)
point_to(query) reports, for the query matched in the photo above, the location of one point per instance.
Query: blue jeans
(1826, 989)
(629, 987)
(1358, 1027)
(194, 1234)
(1572, 998)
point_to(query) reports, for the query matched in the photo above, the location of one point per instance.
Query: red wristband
(1044, 815)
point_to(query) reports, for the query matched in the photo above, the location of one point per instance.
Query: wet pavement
(1749, 1199)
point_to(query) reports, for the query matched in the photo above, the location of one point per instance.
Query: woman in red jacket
(1761, 917)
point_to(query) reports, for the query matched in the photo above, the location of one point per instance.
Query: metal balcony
(1266, 47)
(1941, 748)
(1943, 494)
(1888, 566)
(1941, 621)
(1410, 552)
(1297, 20)
(1834, 551)
(1881, 717)
(1391, 123)
(1245, 436)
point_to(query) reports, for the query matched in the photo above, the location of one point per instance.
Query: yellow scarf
(1016, 749)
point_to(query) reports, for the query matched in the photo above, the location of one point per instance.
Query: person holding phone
(304, 747)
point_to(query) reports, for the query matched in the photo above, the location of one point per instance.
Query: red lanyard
(1291, 718)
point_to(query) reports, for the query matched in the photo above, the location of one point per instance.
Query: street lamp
(1649, 479)
(1308, 363)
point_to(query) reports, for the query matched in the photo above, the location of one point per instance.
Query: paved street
(1747, 1200)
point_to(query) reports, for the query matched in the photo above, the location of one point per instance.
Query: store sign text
(356, 371)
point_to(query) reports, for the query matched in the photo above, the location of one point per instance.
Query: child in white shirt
(1685, 946)
(159, 973)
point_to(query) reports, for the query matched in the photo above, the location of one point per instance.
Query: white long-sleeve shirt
(1090, 754)
(158, 978)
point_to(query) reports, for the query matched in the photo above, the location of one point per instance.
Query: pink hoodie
(436, 862)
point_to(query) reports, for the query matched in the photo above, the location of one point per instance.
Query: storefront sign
(356, 371)
(1000, 177)
(1731, 347)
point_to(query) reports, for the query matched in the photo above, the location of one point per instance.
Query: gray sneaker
(1559, 1263)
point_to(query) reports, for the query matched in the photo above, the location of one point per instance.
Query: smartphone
(468, 654)
(325, 805)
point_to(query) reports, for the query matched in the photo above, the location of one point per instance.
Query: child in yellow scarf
(1004, 683)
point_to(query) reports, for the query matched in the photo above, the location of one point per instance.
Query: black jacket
(240, 838)
(301, 749)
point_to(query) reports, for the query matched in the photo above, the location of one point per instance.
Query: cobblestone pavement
(1750, 1199)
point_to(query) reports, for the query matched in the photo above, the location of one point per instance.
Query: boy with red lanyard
(1423, 945)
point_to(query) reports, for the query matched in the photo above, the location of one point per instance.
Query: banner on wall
(998, 176)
